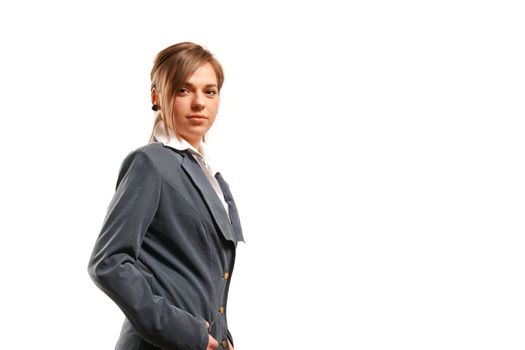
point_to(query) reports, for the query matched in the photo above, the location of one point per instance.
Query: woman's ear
(154, 96)
(154, 100)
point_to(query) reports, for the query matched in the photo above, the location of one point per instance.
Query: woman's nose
(198, 101)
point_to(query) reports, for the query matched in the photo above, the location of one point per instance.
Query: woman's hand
(212, 343)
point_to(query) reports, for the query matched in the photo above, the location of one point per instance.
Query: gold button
(226, 275)
(221, 310)
(224, 343)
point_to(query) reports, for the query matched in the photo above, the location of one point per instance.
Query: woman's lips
(197, 119)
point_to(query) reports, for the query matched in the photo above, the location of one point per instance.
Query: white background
(375, 150)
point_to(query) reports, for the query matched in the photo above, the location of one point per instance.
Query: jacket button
(226, 275)
(224, 343)
(221, 310)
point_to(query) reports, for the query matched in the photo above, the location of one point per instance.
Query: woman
(166, 250)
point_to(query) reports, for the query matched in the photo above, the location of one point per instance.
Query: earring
(155, 107)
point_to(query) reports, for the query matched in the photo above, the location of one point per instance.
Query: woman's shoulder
(154, 156)
(157, 152)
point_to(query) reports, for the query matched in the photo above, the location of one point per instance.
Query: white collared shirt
(201, 155)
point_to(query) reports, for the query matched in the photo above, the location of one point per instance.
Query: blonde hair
(172, 68)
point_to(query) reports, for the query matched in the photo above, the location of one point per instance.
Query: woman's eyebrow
(207, 85)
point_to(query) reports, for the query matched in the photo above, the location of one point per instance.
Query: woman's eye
(183, 90)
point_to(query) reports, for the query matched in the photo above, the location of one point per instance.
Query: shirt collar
(181, 144)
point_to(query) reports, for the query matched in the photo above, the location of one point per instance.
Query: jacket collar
(179, 143)
(231, 231)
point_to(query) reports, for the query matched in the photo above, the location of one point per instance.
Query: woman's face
(196, 105)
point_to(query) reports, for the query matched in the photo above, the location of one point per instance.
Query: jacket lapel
(234, 214)
(194, 171)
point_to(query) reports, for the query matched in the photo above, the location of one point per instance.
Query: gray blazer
(166, 251)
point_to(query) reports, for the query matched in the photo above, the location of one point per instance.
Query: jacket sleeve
(114, 268)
